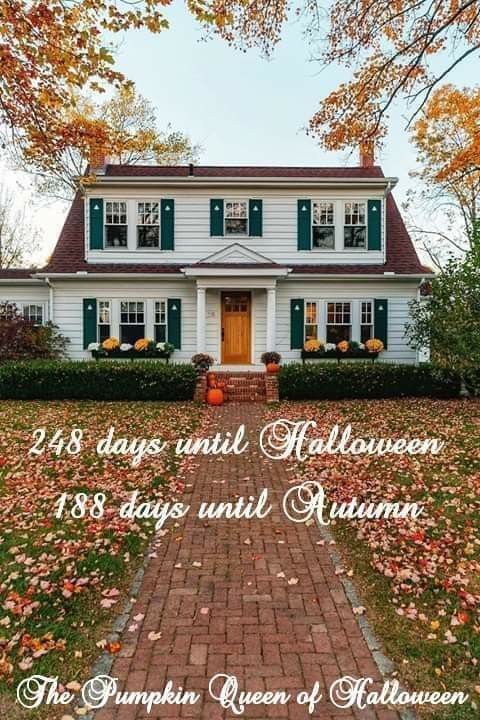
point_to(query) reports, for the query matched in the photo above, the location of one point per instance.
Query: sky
(240, 107)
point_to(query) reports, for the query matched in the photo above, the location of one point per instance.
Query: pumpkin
(273, 368)
(211, 380)
(215, 396)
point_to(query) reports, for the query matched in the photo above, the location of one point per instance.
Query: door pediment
(236, 253)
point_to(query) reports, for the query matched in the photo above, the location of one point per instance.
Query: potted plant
(202, 362)
(143, 348)
(271, 360)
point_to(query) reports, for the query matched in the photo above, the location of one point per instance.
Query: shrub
(50, 380)
(365, 380)
(20, 339)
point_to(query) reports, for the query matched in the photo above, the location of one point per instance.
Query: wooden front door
(236, 327)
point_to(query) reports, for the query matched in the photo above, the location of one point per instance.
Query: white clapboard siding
(192, 226)
(398, 296)
(21, 294)
(68, 307)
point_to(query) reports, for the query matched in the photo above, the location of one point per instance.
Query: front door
(236, 328)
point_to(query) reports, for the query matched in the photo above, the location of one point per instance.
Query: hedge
(108, 380)
(365, 380)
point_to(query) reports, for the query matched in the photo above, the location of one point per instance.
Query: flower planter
(337, 355)
(131, 355)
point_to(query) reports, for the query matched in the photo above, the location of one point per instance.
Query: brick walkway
(270, 634)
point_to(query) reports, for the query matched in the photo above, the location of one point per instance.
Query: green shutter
(174, 322)
(381, 321)
(96, 224)
(216, 217)
(304, 224)
(297, 323)
(374, 224)
(167, 225)
(89, 321)
(255, 218)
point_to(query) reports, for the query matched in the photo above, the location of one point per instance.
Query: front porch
(236, 307)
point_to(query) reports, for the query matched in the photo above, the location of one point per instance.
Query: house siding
(68, 296)
(194, 242)
(28, 294)
(398, 295)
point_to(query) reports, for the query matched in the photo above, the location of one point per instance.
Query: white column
(201, 319)
(271, 319)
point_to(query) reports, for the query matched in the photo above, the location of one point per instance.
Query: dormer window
(355, 227)
(116, 227)
(323, 225)
(148, 225)
(236, 218)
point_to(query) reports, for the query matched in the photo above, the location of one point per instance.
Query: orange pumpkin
(211, 380)
(215, 396)
(273, 368)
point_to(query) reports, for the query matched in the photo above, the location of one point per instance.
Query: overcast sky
(240, 107)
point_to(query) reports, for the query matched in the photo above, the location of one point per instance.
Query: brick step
(243, 387)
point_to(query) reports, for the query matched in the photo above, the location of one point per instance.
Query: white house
(231, 261)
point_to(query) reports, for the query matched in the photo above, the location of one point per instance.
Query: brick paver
(269, 633)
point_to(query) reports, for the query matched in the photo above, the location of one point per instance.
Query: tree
(400, 49)
(18, 235)
(448, 321)
(133, 138)
(445, 137)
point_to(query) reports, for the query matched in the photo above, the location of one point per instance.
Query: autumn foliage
(51, 50)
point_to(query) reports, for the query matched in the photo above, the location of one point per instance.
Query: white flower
(125, 346)
(361, 346)
(94, 346)
(161, 346)
(330, 346)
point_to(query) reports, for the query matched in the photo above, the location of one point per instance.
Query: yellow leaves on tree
(51, 50)
(447, 138)
(387, 46)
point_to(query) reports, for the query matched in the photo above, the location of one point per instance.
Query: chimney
(98, 160)
(367, 153)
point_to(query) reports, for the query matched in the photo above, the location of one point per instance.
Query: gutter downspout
(50, 300)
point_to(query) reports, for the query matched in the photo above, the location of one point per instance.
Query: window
(33, 313)
(132, 321)
(355, 229)
(366, 321)
(236, 218)
(323, 230)
(339, 321)
(104, 319)
(311, 321)
(160, 321)
(148, 225)
(116, 228)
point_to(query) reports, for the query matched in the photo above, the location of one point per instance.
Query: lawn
(419, 580)
(62, 580)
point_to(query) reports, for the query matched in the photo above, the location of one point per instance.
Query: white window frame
(38, 305)
(345, 224)
(99, 302)
(138, 225)
(350, 324)
(225, 217)
(155, 323)
(139, 324)
(325, 201)
(105, 224)
(317, 316)
(372, 315)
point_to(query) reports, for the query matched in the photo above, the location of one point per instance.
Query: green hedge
(328, 381)
(104, 380)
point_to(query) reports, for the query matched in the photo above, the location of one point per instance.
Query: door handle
(223, 334)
